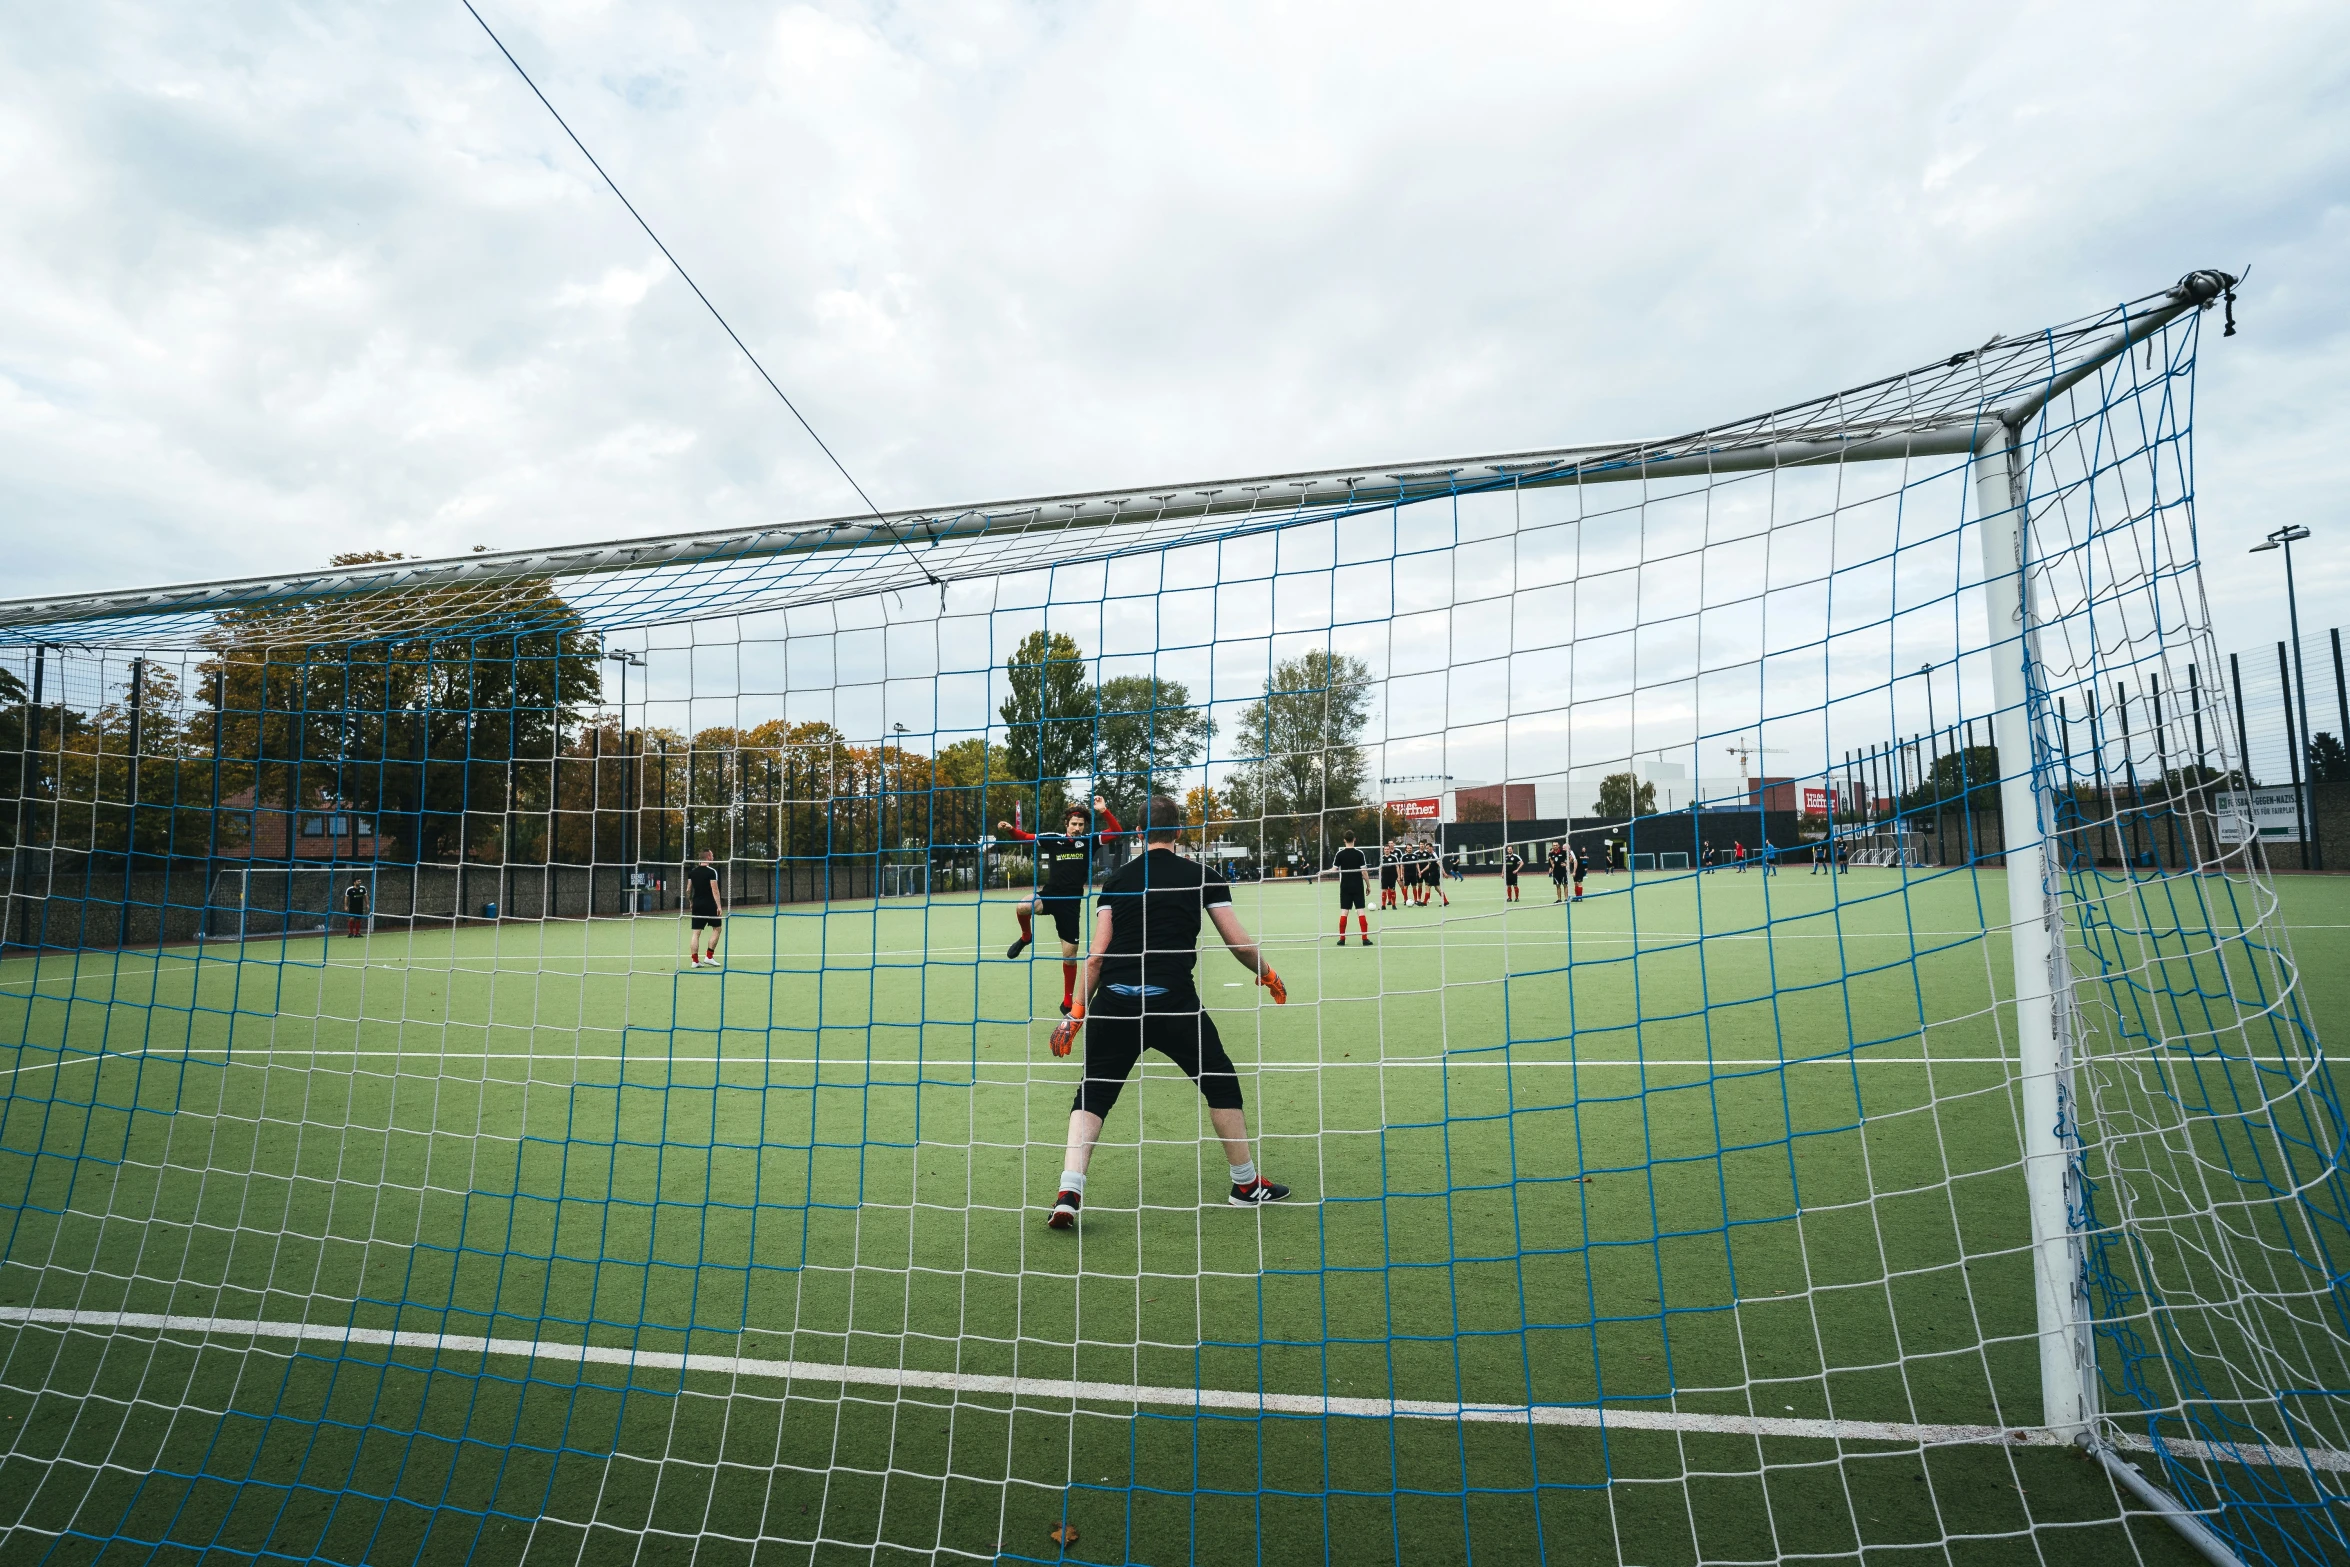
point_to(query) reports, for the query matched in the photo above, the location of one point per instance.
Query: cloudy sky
(278, 281)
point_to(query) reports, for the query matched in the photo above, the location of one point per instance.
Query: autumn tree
(436, 709)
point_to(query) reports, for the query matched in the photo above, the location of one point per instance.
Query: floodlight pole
(2036, 937)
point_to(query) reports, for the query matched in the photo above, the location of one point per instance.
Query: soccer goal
(251, 902)
(905, 881)
(1985, 1209)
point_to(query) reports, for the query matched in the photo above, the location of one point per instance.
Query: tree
(1148, 734)
(1623, 796)
(976, 789)
(93, 771)
(438, 708)
(1301, 749)
(1206, 810)
(2329, 762)
(1049, 714)
(1969, 774)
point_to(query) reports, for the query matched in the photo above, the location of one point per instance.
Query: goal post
(1729, 1217)
(2036, 941)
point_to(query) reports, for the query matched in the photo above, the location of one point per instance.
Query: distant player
(1140, 994)
(1615, 855)
(355, 908)
(706, 906)
(1432, 877)
(1738, 853)
(1576, 861)
(1348, 863)
(1064, 864)
(1389, 854)
(1558, 861)
(1512, 862)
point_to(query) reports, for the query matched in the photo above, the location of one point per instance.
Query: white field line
(648, 1058)
(1204, 1399)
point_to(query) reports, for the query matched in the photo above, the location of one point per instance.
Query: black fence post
(2293, 757)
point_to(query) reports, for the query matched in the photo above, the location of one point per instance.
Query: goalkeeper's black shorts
(1119, 1028)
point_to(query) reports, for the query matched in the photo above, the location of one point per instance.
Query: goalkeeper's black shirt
(1156, 901)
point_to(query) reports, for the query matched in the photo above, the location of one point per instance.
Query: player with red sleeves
(1064, 865)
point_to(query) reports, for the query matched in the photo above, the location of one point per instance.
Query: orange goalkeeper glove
(1065, 1031)
(1272, 981)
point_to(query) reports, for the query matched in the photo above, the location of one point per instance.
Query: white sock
(1244, 1174)
(1073, 1181)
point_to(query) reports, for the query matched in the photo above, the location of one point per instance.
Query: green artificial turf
(1544, 1156)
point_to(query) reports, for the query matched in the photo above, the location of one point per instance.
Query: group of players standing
(1410, 870)
(1566, 867)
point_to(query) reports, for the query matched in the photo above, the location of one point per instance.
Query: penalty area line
(1198, 1400)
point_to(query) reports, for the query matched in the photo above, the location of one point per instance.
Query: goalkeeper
(1138, 983)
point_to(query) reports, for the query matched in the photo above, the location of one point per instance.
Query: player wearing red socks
(1347, 865)
(1064, 863)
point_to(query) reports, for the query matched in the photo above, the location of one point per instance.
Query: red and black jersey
(1065, 864)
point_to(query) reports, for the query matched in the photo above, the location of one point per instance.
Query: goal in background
(1715, 1218)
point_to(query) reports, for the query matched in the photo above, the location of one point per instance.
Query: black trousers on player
(1118, 1029)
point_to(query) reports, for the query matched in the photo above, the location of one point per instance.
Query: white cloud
(278, 284)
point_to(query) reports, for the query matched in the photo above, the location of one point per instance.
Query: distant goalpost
(1711, 1219)
(256, 902)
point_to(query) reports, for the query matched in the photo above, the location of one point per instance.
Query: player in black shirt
(1348, 865)
(1559, 861)
(355, 908)
(1512, 862)
(707, 907)
(1432, 876)
(1387, 865)
(1064, 869)
(1139, 987)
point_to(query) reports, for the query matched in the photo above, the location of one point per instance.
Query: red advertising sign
(1815, 801)
(1427, 810)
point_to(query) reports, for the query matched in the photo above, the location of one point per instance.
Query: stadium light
(2313, 855)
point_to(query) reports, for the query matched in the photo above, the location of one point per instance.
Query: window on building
(313, 826)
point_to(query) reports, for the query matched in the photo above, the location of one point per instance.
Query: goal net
(1929, 1150)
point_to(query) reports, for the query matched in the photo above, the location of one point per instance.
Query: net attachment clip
(2209, 284)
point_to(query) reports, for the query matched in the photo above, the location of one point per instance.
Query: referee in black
(1140, 994)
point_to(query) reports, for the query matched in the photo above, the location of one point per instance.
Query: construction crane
(1742, 751)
